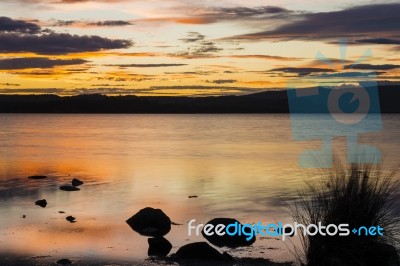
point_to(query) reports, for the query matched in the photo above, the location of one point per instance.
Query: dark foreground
(8, 259)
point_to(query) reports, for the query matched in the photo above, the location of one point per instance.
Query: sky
(194, 48)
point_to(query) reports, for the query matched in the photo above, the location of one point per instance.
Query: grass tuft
(358, 195)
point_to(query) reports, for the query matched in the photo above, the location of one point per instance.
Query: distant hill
(264, 102)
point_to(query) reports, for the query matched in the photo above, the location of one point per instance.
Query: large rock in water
(227, 240)
(150, 222)
(200, 251)
(159, 246)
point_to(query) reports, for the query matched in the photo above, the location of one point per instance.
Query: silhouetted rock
(24, 216)
(64, 262)
(150, 222)
(200, 251)
(76, 182)
(69, 188)
(42, 203)
(71, 219)
(227, 240)
(192, 197)
(158, 246)
(37, 177)
(61, 211)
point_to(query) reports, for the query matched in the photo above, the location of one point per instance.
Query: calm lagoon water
(239, 166)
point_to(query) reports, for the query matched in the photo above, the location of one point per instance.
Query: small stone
(42, 203)
(69, 188)
(193, 196)
(37, 177)
(71, 219)
(64, 262)
(159, 246)
(200, 251)
(76, 182)
(24, 216)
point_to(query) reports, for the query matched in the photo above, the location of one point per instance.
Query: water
(239, 166)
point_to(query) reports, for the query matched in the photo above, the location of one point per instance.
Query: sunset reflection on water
(239, 166)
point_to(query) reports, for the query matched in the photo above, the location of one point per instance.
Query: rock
(69, 188)
(76, 182)
(24, 216)
(61, 211)
(71, 219)
(227, 240)
(159, 246)
(64, 262)
(150, 222)
(37, 177)
(200, 251)
(42, 203)
(192, 197)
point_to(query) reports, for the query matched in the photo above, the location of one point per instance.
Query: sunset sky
(181, 47)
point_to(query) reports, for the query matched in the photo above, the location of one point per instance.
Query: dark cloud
(82, 23)
(372, 67)
(350, 75)
(205, 47)
(379, 41)
(198, 72)
(149, 65)
(359, 21)
(227, 89)
(198, 48)
(193, 37)
(110, 23)
(10, 84)
(267, 57)
(20, 26)
(37, 62)
(240, 12)
(209, 15)
(64, 23)
(197, 90)
(301, 71)
(34, 91)
(57, 43)
(108, 85)
(223, 81)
